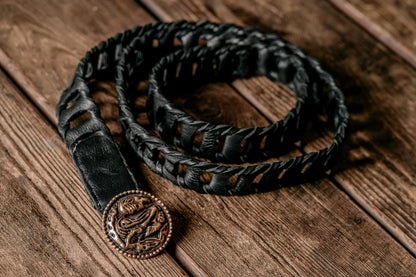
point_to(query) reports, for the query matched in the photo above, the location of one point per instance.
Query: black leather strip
(222, 52)
(103, 170)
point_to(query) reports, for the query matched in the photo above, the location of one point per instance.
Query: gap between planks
(375, 30)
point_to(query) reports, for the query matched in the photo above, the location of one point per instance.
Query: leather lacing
(198, 53)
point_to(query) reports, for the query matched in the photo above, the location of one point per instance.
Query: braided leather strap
(272, 57)
(225, 180)
(224, 143)
(222, 52)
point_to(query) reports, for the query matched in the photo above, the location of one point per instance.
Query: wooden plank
(302, 230)
(48, 227)
(379, 166)
(391, 22)
(52, 37)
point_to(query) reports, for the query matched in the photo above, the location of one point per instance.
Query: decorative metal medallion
(137, 224)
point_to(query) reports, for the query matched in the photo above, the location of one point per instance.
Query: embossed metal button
(137, 224)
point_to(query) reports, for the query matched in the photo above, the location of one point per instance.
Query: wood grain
(313, 229)
(379, 168)
(48, 226)
(391, 22)
(50, 37)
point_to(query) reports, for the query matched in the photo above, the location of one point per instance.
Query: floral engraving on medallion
(137, 224)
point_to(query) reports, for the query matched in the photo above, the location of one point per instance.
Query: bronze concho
(137, 224)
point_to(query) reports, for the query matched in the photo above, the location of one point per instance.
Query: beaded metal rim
(148, 253)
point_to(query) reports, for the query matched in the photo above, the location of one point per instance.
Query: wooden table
(359, 221)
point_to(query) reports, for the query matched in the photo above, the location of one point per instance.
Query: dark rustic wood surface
(391, 22)
(359, 221)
